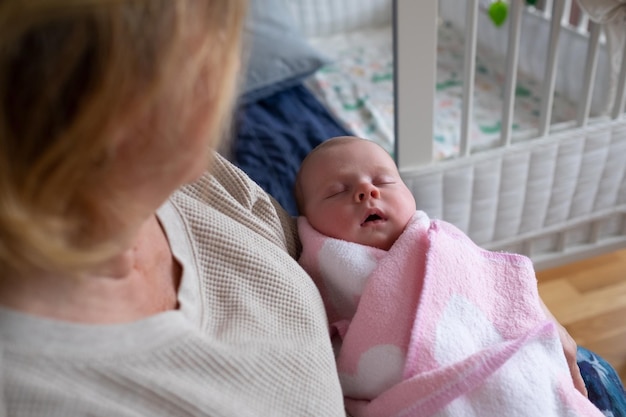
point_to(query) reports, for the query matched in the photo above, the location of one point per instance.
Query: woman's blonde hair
(72, 74)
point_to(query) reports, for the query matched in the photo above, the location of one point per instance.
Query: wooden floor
(589, 298)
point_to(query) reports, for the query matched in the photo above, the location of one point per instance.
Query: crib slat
(561, 240)
(511, 73)
(590, 75)
(469, 70)
(551, 67)
(547, 8)
(618, 106)
(583, 22)
(594, 232)
(567, 10)
(415, 60)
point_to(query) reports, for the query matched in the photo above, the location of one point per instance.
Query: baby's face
(353, 192)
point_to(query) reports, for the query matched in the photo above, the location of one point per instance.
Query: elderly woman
(120, 295)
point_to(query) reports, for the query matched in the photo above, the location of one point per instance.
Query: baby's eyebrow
(386, 171)
(322, 186)
(333, 186)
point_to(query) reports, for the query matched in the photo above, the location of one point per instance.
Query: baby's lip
(373, 215)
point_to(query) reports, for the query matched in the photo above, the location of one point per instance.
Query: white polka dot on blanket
(345, 268)
(380, 367)
(463, 330)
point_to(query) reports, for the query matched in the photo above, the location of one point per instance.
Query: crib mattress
(358, 89)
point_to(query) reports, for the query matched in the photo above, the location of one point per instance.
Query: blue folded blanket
(274, 134)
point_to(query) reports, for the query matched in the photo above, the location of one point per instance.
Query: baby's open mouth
(372, 218)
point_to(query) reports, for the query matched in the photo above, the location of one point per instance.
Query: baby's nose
(366, 191)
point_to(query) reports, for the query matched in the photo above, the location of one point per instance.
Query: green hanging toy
(498, 11)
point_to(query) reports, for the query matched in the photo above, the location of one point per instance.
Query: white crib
(557, 192)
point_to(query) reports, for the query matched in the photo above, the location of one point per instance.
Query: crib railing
(554, 202)
(415, 58)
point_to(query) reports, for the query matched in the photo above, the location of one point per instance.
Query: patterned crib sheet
(358, 89)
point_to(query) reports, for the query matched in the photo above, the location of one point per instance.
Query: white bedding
(358, 89)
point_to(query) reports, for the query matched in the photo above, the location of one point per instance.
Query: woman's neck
(139, 282)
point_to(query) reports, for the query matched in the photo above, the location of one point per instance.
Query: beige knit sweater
(250, 337)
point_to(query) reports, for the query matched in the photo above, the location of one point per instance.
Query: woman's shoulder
(233, 197)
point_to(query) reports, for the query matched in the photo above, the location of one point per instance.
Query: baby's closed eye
(335, 190)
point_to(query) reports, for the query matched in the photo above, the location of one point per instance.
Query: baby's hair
(327, 144)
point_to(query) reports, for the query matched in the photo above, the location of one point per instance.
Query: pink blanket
(437, 326)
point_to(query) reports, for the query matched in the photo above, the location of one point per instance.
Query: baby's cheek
(341, 227)
(338, 226)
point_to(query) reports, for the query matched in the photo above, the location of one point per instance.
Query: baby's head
(350, 189)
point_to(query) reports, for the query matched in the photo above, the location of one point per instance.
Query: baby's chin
(374, 237)
(384, 243)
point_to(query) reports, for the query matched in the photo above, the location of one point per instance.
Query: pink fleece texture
(437, 326)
